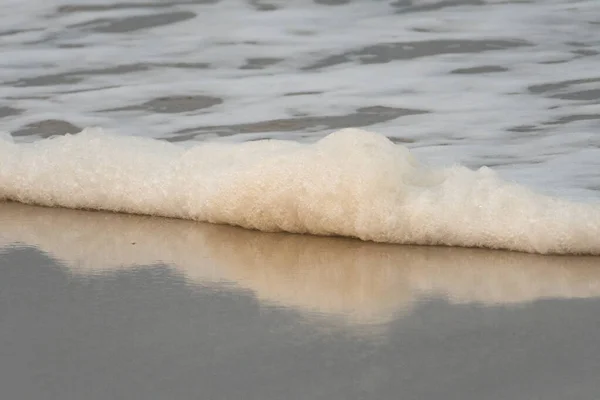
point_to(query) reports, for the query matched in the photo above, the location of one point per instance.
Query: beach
(140, 307)
(420, 182)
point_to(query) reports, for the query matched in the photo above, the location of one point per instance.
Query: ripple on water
(461, 80)
(387, 52)
(135, 23)
(361, 117)
(174, 104)
(47, 128)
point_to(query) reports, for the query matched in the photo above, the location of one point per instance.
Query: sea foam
(350, 183)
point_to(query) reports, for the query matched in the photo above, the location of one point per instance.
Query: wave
(351, 183)
(336, 278)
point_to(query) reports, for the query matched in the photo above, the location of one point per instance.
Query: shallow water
(508, 84)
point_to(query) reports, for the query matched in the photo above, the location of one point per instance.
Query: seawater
(454, 86)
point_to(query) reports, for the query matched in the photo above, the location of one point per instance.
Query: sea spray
(350, 183)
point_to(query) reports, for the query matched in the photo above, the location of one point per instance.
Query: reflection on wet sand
(358, 281)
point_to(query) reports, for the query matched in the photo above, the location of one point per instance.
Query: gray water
(508, 84)
(102, 306)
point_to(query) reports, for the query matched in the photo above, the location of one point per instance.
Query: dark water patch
(421, 30)
(184, 65)
(554, 86)
(73, 8)
(47, 128)
(585, 52)
(17, 31)
(260, 62)
(524, 129)
(61, 40)
(583, 95)
(503, 158)
(400, 140)
(527, 131)
(259, 5)
(360, 118)
(30, 97)
(290, 94)
(332, 2)
(69, 78)
(47, 80)
(116, 70)
(554, 61)
(577, 44)
(595, 188)
(91, 89)
(574, 118)
(498, 163)
(11, 32)
(387, 52)
(484, 69)
(407, 6)
(131, 24)
(174, 104)
(6, 111)
(70, 46)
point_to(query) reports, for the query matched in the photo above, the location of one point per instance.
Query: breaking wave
(351, 183)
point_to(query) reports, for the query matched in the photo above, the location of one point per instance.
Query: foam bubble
(351, 183)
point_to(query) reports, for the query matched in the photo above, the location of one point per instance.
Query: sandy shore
(102, 305)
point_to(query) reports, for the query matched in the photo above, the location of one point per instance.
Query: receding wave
(351, 183)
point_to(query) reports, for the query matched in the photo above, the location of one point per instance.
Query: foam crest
(351, 183)
(360, 282)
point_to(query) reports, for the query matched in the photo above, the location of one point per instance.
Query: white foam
(351, 183)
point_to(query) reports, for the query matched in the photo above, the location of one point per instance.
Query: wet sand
(121, 306)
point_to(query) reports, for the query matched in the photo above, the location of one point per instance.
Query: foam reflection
(356, 281)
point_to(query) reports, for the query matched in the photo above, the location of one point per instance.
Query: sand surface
(98, 305)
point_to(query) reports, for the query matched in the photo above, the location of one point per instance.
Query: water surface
(507, 84)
